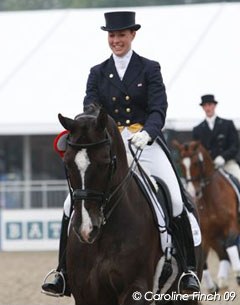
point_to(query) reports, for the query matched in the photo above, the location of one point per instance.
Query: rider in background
(131, 89)
(219, 136)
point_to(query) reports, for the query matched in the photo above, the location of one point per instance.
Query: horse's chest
(103, 279)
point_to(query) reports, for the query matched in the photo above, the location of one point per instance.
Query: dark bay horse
(113, 246)
(217, 205)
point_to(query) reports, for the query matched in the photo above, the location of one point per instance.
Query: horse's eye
(102, 163)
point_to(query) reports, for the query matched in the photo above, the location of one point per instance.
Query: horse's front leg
(210, 284)
(136, 294)
(207, 279)
(224, 264)
(232, 249)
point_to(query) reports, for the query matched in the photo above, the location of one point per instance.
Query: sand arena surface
(22, 273)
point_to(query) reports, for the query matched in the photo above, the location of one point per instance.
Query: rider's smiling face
(120, 41)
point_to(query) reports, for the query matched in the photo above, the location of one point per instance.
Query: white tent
(45, 58)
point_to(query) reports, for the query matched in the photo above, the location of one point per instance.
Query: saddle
(162, 196)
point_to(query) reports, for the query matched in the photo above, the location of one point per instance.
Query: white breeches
(233, 168)
(155, 161)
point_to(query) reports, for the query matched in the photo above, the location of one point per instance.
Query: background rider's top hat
(208, 98)
(121, 20)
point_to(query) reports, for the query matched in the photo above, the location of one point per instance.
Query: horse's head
(196, 165)
(90, 160)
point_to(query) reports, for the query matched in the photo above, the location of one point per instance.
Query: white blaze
(190, 187)
(82, 162)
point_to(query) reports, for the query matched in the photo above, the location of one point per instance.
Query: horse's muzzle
(88, 238)
(90, 233)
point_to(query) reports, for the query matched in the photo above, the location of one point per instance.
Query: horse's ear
(67, 123)
(196, 145)
(102, 119)
(176, 144)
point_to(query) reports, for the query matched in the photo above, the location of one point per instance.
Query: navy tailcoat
(223, 140)
(140, 97)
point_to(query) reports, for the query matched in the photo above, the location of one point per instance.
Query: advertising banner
(27, 230)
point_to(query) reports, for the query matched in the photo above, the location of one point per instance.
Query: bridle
(201, 178)
(90, 194)
(103, 197)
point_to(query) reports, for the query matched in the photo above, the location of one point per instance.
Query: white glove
(140, 139)
(219, 161)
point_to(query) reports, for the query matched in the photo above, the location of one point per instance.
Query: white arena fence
(32, 194)
(30, 214)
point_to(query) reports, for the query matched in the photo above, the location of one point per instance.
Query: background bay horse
(217, 205)
(113, 245)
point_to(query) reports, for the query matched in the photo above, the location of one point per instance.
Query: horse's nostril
(94, 233)
(95, 228)
(96, 223)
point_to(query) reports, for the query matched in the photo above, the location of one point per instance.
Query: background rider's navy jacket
(222, 140)
(139, 98)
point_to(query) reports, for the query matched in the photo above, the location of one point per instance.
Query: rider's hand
(140, 139)
(219, 161)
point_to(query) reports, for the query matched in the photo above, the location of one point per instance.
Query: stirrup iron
(54, 271)
(190, 272)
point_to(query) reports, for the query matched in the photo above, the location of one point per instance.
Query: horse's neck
(209, 170)
(209, 166)
(213, 178)
(121, 157)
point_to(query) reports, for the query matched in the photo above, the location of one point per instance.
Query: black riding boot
(183, 240)
(59, 286)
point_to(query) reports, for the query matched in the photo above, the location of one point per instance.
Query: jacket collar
(211, 121)
(217, 123)
(133, 70)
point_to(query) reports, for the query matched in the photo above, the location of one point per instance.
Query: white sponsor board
(30, 230)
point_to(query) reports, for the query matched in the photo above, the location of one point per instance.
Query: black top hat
(116, 21)
(208, 98)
